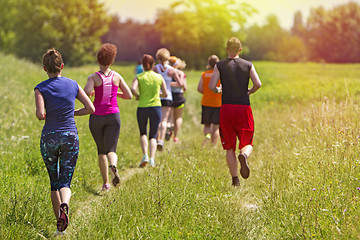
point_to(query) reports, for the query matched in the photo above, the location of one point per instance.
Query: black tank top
(234, 77)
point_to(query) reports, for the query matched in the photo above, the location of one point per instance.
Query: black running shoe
(244, 168)
(115, 175)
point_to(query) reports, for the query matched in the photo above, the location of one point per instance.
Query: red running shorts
(236, 121)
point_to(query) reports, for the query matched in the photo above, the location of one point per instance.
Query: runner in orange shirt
(210, 104)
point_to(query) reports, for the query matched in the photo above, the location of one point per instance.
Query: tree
(334, 35)
(74, 27)
(298, 28)
(132, 39)
(8, 10)
(271, 42)
(196, 29)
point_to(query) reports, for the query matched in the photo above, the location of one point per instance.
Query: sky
(145, 10)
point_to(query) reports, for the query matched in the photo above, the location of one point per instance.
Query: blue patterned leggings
(60, 151)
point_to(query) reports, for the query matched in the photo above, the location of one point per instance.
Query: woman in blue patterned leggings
(59, 144)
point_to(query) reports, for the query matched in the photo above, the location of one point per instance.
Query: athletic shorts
(105, 130)
(151, 114)
(60, 152)
(166, 103)
(236, 121)
(178, 100)
(210, 115)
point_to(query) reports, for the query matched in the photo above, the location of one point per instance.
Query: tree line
(191, 29)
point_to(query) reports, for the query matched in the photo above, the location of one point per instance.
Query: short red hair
(106, 55)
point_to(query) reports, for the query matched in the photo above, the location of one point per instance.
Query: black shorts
(210, 115)
(178, 99)
(166, 103)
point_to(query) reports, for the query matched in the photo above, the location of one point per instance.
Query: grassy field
(305, 170)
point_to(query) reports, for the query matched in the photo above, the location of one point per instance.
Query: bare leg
(144, 143)
(178, 120)
(59, 197)
(165, 111)
(247, 150)
(152, 148)
(56, 201)
(103, 164)
(215, 134)
(113, 158)
(65, 195)
(232, 162)
(207, 130)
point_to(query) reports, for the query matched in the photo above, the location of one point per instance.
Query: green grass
(304, 181)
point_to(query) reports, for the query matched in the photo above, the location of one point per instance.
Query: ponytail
(52, 61)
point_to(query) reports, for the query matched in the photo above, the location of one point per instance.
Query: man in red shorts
(236, 119)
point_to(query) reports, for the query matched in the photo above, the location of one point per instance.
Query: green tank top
(149, 88)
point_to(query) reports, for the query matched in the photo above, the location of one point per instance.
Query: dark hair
(147, 62)
(106, 55)
(52, 61)
(212, 60)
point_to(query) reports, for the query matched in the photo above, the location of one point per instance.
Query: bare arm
(133, 88)
(40, 105)
(174, 74)
(214, 80)
(89, 86)
(163, 89)
(85, 100)
(255, 80)
(182, 76)
(125, 90)
(200, 87)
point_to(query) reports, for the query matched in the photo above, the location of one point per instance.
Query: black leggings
(105, 130)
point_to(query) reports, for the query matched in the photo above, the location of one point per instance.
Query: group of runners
(159, 89)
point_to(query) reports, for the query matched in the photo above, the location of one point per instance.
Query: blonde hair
(163, 55)
(233, 45)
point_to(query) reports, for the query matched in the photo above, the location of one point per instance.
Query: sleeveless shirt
(163, 71)
(106, 96)
(234, 77)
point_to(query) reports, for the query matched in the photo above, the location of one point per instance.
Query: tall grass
(304, 181)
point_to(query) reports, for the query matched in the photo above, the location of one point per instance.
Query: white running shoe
(58, 233)
(152, 162)
(144, 161)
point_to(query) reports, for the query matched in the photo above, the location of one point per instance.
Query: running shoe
(115, 175)
(144, 161)
(160, 145)
(63, 220)
(168, 134)
(208, 136)
(105, 187)
(244, 168)
(152, 162)
(57, 233)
